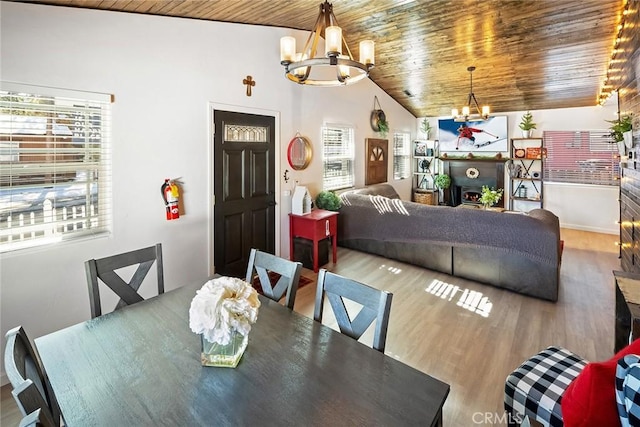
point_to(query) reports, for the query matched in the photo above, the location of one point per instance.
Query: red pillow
(590, 400)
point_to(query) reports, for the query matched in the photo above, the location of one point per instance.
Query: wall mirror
(299, 152)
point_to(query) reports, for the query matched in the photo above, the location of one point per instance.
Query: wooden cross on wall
(249, 82)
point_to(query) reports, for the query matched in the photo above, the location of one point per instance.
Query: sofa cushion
(384, 190)
(590, 400)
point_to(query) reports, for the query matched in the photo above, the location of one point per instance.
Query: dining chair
(376, 306)
(105, 270)
(35, 419)
(31, 388)
(262, 263)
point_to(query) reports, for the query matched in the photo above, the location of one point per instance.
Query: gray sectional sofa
(519, 252)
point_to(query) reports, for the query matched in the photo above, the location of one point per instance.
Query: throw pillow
(590, 400)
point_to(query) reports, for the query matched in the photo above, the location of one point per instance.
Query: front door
(244, 189)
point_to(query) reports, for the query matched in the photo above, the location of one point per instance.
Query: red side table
(315, 226)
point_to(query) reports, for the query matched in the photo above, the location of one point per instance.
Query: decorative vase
(526, 133)
(225, 356)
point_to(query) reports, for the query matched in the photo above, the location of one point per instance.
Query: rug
(273, 277)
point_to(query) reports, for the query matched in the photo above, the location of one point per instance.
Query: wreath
(473, 173)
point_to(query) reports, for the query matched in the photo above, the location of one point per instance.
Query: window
(583, 157)
(338, 157)
(54, 165)
(401, 155)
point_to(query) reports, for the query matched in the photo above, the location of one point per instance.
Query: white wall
(582, 207)
(166, 74)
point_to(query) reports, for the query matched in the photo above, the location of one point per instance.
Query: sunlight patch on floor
(473, 301)
(391, 269)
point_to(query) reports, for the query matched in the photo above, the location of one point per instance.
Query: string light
(614, 69)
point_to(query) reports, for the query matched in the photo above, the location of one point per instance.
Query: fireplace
(469, 175)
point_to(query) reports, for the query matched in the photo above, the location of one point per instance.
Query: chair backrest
(263, 263)
(105, 270)
(376, 306)
(628, 390)
(35, 419)
(31, 388)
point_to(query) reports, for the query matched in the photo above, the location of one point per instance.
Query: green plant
(442, 181)
(527, 122)
(620, 126)
(490, 196)
(383, 126)
(426, 127)
(328, 200)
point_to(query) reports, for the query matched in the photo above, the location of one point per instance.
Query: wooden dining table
(140, 366)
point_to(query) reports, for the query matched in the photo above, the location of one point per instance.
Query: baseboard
(615, 231)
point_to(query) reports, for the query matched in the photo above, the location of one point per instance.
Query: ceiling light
(467, 116)
(336, 68)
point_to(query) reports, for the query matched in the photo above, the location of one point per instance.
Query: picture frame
(420, 149)
(536, 153)
(462, 137)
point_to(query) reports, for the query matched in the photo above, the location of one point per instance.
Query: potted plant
(442, 182)
(619, 127)
(328, 200)
(383, 126)
(527, 124)
(490, 196)
(426, 128)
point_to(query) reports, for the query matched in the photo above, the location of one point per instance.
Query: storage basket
(424, 197)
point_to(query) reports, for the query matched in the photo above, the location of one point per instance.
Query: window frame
(587, 157)
(401, 155)
(56, 159)
(341, 151)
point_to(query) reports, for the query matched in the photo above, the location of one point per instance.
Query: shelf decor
(223, 311)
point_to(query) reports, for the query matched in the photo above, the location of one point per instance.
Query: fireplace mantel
(473, 172)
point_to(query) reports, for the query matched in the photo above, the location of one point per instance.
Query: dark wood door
(244, 188)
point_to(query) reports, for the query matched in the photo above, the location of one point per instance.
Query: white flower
(223, 305)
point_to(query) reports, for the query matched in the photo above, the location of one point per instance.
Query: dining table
(140, 366)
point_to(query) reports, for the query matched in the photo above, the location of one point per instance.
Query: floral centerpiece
(223, 311)
(490, 196)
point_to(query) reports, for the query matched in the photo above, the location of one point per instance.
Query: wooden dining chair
(35, 419)
(105, 270)
(376, 306)
(289, 271)
(31, 388)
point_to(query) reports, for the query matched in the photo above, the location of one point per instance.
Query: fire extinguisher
(170, 195)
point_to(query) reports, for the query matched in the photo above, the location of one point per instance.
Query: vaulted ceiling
(528, 54)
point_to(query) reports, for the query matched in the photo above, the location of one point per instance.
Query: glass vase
(226, 356)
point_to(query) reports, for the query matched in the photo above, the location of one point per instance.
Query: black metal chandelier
(467, 116)
(335, 68)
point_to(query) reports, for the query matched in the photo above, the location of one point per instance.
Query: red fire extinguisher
(170, 195)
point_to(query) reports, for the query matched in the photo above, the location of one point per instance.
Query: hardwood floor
(473, 343)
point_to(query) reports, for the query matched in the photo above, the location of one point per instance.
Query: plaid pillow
(628, 390)
(536, 387)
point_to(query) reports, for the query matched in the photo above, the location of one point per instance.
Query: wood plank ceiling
(529, 55)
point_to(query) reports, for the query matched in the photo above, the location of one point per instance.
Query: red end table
(315, 226)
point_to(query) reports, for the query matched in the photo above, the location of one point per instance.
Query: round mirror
(299, 152)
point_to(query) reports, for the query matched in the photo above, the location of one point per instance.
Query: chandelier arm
(476, 103)
(315, 34)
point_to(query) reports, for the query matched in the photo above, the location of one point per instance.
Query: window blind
(583, 157)
(55, 168)
(338, 157)
(401, 155)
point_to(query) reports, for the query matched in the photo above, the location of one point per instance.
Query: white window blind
(401, 155)
(584, 157)
(338, 157)
(55, 169)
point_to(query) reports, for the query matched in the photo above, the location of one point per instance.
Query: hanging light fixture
(343, 69)
(467, 116)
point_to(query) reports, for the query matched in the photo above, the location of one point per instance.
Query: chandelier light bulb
(287, 48)
(333, 40)
(367, 52)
